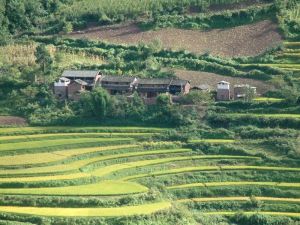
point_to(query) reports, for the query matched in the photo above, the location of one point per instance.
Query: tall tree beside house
(43, 59)
(96, 103)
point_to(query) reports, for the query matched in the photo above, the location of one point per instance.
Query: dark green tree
(96, 103)
(44, 59)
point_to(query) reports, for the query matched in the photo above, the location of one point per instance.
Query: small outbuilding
(223, 91)
(61, 88)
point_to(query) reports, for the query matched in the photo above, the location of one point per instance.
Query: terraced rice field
(108, 164)
(287, 59)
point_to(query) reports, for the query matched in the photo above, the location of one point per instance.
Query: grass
(33, 137)
(68, 167)
(113, 168)
(145, 209)
(238, 199)
(67, 129)
(23, 54)
(72, 176)
(55, 143)
(209, 168)
(222, 213)
(263, 99)
(296, 116)
(295, 44)
(239, 183)
(212, 141)
(104, 188)
(50, 157)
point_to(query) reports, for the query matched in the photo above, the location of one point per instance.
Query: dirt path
(247, 40)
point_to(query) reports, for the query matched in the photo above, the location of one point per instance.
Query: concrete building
(244, 92)
(223, 91)
(61, 88)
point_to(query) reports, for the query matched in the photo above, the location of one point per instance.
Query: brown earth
(12, 120)
(247, 40)
(211, 79)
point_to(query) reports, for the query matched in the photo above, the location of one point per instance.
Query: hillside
(247, 40)
(106, 118)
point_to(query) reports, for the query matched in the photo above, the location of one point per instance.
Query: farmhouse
(75, 88)
(118, 84)
(91, 77)
(73, 83)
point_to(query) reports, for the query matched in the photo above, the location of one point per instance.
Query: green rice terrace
(149, 112)
(108, 174)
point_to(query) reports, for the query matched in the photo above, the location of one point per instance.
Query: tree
(68, 27)
(96, 103)
(43, 59)
(136, 107)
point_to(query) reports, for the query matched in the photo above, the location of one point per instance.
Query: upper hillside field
(247, 40)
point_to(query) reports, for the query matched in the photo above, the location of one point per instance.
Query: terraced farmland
(100, 169)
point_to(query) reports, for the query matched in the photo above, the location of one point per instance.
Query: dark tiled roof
(179, 82)
(155, 81)
(202, 87)
(81, 73)
(223, 82)
(120, 79)
(153, 89)
(64, 79)
(117, 87)
(81, 82)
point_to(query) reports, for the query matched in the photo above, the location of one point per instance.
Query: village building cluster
(72, 83)
(240, 92)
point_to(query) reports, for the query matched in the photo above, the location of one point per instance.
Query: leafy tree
(68, 27)
(44, 59)
(96, 103)
(197, 98)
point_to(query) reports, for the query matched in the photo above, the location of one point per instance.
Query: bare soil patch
(12, 120)
(199, 78)
(247, 40)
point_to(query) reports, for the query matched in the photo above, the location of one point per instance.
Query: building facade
(76, 88)
(223, 91)
(61, 88)
(118, 84)
(73, 83)
(244, 92)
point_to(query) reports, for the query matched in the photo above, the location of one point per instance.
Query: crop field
(23, 54)
(287, 59)
(37, 164)
(244, 40)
